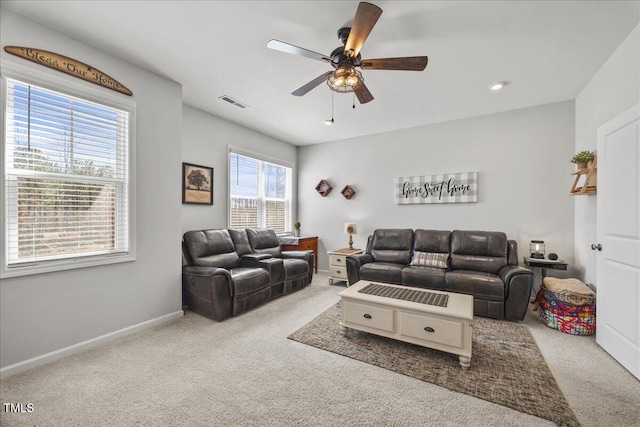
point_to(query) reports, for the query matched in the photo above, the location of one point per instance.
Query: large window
(66, 178)
(259, 194)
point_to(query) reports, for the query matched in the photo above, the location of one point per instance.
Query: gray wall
(521, 156)
(205, 141)
(42, 314)
(614, 89)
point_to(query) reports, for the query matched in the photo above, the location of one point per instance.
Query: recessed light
(497, 85)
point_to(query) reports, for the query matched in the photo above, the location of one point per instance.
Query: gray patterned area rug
(507, 367)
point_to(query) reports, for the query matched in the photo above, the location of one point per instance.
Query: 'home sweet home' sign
(446, 188)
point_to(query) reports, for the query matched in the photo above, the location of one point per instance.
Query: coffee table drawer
(368, 315)
(430, 329)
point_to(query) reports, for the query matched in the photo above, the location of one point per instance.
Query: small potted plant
(296, 231)
(582, 159)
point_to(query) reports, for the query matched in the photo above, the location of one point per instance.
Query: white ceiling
(547, 51)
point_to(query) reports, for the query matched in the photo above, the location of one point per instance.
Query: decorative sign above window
(447, 188)
(68, 66)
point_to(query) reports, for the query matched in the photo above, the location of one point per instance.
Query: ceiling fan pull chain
(331, 107)
(330, 122)
(354, 100)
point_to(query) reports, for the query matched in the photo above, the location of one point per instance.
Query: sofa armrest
(507, 272)
(255, 257)
(296, 254)
(208, 291)
(274, 266)
(354, 262)
(256, 261)
(518, 282)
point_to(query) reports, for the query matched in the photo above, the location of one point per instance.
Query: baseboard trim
(77, 348)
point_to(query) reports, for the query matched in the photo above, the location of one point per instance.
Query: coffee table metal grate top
(412, 295)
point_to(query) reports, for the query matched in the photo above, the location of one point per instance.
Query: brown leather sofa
(479, 263)
(226, 273)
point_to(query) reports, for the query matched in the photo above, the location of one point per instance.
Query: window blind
(66, 176)
(259, 194)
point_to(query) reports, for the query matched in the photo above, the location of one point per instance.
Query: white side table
(338, 263)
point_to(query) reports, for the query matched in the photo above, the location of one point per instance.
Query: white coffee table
(446, 328)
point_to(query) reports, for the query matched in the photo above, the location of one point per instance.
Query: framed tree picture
(197, 184)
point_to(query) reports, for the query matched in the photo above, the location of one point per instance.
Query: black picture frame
(197, 184)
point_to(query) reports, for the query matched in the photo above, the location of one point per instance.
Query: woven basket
(570, 309)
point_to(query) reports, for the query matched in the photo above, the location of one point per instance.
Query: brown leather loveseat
(227, 272)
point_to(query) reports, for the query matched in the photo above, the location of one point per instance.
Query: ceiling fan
(345, 59)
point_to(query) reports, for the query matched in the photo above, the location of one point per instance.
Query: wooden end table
(338, 263)
(292, 243)
(543, 264)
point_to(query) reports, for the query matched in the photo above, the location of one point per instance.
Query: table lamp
(537, 249)
(350, 229)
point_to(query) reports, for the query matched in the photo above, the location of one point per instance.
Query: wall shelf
(589, 175)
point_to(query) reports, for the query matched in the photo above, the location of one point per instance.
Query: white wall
(41, 315)
(614, 89)
(205, 141)
(521, 156)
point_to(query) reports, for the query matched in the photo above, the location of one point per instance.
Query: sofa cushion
(484, 286)
(211, 248)
(382, 272)
(484, 251)
(424, 277)
(392, 245)
(264, 241)
(432, 241)
(429, 259)
(249, 280)
(240, 241)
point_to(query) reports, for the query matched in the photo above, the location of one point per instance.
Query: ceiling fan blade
(409, 63)
(295, 50)
(366, 17)
(363, 94)
(311, 85)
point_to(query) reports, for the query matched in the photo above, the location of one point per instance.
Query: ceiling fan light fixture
(345, 79)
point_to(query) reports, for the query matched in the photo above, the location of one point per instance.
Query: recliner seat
(218, 285)
(298, 265)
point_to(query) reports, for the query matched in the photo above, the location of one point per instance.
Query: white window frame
(264, 158)
(69, 86)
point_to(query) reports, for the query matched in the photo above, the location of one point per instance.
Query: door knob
(594, 247)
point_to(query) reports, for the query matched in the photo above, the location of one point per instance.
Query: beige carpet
(506, 367)
(244, 372)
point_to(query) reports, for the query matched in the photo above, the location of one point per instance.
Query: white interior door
(618, 231)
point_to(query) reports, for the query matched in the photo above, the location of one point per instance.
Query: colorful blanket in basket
(568, 318)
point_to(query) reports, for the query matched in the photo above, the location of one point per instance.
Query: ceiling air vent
(235, 102)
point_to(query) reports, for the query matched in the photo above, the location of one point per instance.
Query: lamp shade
(350, 228)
